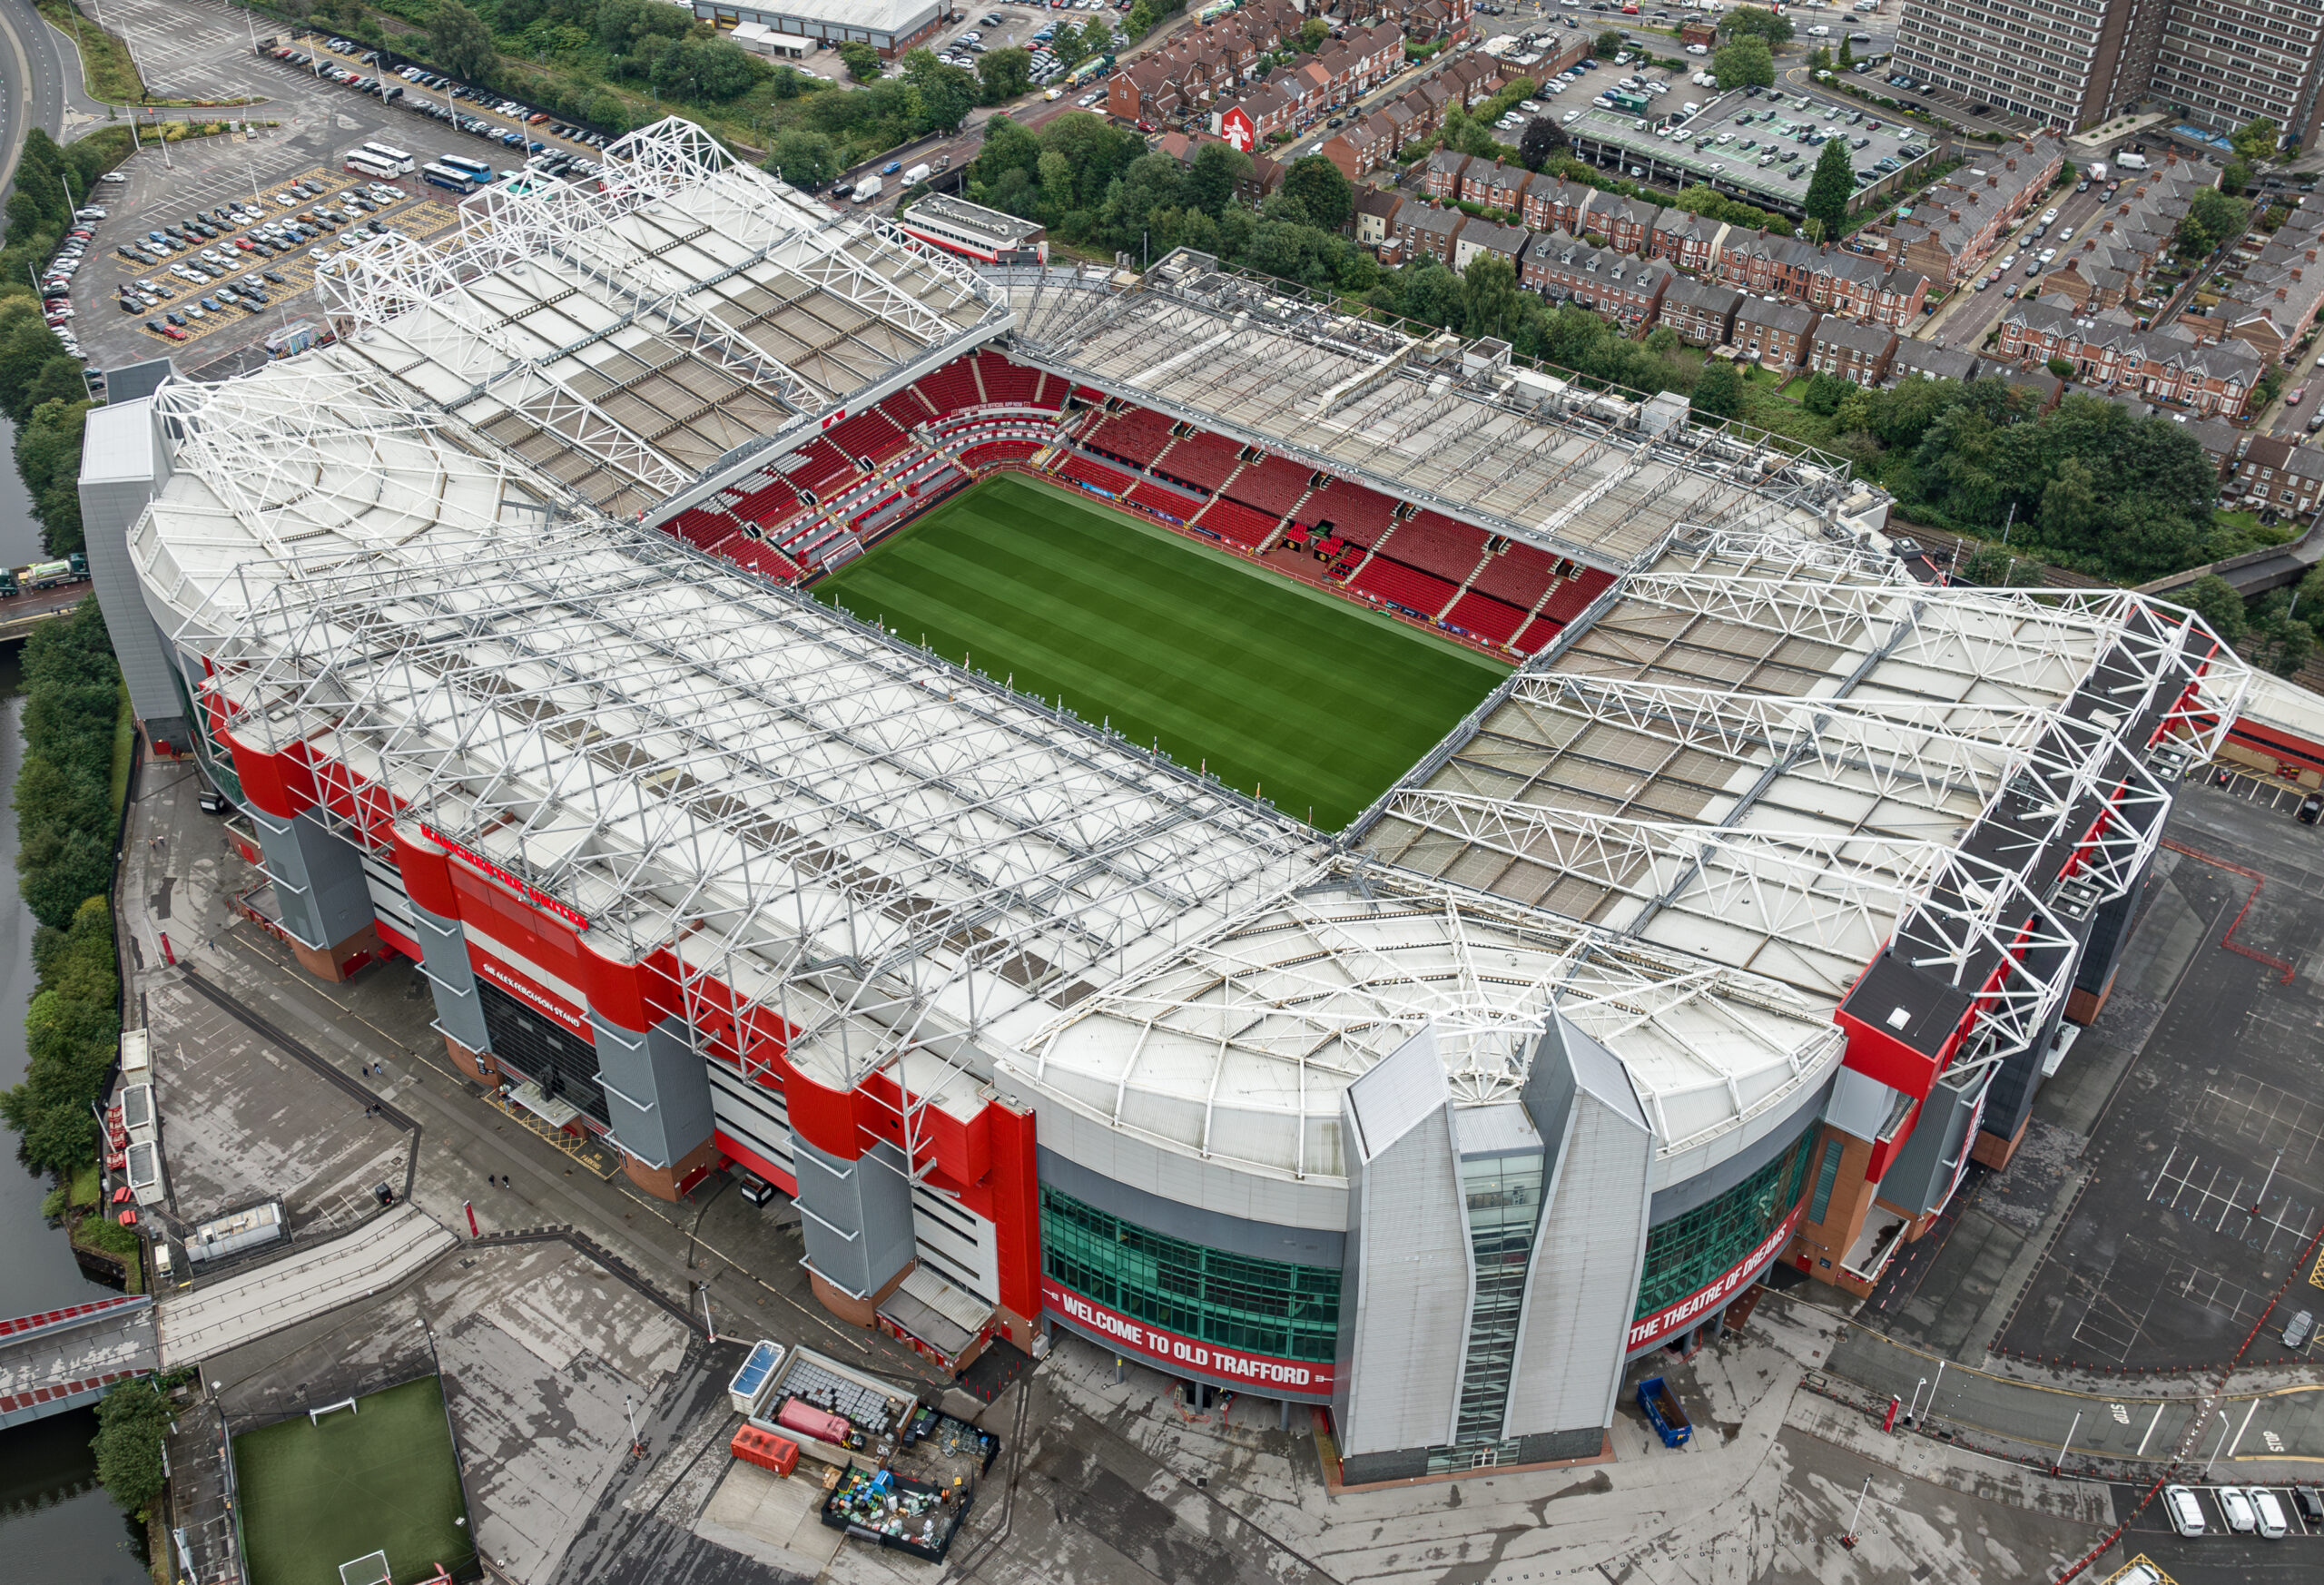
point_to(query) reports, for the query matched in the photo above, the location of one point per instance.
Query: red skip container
(766, 1450)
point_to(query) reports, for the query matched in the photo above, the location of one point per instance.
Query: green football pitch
(1279, 688)
(381, 1479)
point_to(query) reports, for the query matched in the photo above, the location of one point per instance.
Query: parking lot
(2205, 1193)
(2220, 1556)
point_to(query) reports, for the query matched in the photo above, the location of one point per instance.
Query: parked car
(2186, 1514)
(2234, 1503)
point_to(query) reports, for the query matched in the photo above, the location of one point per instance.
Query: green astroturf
(382, 1478)
(1279, 688)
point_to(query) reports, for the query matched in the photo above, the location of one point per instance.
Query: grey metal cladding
(318, 877)
(1213, 1229)
(657, 1093)
(1404, 1295)
(1706, 1185)
(855, 1216)
(1583, 1283)
(121, 468)
(1925, 1165)
(451, 978)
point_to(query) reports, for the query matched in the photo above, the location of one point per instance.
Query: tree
(1217, 173)
(460, 43)
(1141, 20)
(1608, 45)
(1847, 57)
(1005, 74)
(1542, 141)
(1824, 393)
(2235, 175)
(862, 61)
(1068, 48)
(1744, 63)
(2211, 218)
(1753, 22)
(2256, 140)
(132, 1420)
(1489, 300)
(1313, 32)
(2214, 599)
(1319, 186)
(706, 70)
(1096, 36)
(1718, 390)
(804, 158)
(940, 95)
(2061, 367)
(1819, 59)
(1829, 188)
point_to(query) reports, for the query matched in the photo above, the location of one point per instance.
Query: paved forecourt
(1276, 688)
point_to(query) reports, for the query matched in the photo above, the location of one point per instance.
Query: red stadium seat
(1201, 460)
(1435, 543)
(1230, 520)
(1146, 493)
(1272, 485)
(1407, 586)
(1485, 617)
(1094, 473)
(1355, 513)
(1518, 575)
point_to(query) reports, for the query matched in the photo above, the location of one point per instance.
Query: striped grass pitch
(1279, 688)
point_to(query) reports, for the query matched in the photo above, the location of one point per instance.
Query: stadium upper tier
(1438, 423)
(630, 343)
(1762, 765)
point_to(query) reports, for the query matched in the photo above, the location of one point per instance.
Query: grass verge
(105, 64)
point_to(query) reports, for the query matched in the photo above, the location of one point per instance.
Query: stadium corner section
(1273, 687)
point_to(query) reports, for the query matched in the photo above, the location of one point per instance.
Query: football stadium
(1322, 860)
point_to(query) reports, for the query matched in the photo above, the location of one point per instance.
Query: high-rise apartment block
(2072, 64)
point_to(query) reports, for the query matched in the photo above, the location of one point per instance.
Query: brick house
(1362, 147)
(2110, 353)
(1375, 214)
(1203, 64)
(1617, 286)
(1773, 335)
(1855, 287)
(1430, 228)
(2279, 472)
(2280, 295)
(1445, 169)
(1552, 204)
(1764, 264)
(1918, 359)
(1495, 185)
(1623, 224)
(1484, 236)
(1701, 311)
(1685, 240)
(1858, 353)
(1956, 223)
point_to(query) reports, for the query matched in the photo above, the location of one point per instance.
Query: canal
(56, 1523)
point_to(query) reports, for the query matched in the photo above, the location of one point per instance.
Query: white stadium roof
(1686, 827)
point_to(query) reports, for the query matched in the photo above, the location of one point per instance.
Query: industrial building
(1725, 931)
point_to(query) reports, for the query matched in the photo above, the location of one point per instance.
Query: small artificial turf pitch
(381, 1479)
(1277, 688)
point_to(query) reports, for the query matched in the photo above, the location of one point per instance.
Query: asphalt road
(1966, 325)
(40, 81)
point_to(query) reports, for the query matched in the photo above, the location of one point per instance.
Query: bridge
(23, 613)
(62, 1359)
(2255, 572)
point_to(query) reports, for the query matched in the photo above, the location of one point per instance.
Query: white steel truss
(1845, 895)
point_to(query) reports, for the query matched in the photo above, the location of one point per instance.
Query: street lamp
(2217, 1446)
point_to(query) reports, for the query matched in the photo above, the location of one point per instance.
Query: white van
(2238, 1509)
(2185, 1514)
(2270, 1513)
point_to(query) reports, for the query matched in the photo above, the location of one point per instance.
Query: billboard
(1235, 126)
(1270, 1377)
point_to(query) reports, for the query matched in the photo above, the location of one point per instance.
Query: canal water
(56, 1523)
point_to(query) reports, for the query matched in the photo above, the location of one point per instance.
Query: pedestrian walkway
(211, 1318)
(61, 1359)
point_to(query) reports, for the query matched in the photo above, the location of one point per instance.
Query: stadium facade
(1726, 931)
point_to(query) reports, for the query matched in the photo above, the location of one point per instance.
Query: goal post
(314, 1416)
(371, 1569)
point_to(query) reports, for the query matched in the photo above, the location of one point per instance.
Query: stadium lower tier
(821, 506)
(1027, 1212)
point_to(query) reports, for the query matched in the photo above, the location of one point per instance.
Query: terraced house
(1202, 66)
(2109, 351)
(1702, 312)
(2282, 291)
(1686, 241)
(1858, 287)
(1620, 286)
(1955, 224)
